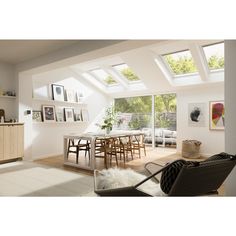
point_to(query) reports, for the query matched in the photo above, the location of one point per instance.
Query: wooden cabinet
(11, 141)
(1, 142)
(20, 141)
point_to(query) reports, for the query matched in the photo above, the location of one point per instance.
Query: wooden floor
(159, 155)
(136, 164)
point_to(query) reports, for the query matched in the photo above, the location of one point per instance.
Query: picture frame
(217, 115)
(84, 115)
(37, 116)
(77, 114)
(49, 113)
(60, 114)
(197, 114)
(70, 95)
(79, 96)
(58, 93)
(69, 114)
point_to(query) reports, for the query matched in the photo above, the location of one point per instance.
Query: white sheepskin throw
(116, 178)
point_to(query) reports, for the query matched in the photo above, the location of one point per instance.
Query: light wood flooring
(136, 164)
(158, 155)
(49, 177)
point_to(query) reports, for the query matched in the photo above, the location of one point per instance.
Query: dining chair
(126, 146)
(2, 114)
(75, 146)
(138, 144)
(106, 148)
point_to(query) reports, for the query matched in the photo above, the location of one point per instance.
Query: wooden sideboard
(11, 141)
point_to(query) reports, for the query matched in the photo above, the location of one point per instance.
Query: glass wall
(135, 113)
(165, 120)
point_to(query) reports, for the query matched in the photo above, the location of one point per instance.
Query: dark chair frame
(192, 180)
(78, 147)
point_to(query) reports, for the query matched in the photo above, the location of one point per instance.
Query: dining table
(91, 137)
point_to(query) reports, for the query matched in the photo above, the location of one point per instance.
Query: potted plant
(109, 120)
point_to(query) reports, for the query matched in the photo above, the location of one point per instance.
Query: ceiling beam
(78, 75)
(119, 78)
(142, 63)
(199, 59)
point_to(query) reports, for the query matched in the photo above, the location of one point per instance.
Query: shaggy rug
(116, 178)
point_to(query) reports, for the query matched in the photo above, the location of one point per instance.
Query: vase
(108, 130)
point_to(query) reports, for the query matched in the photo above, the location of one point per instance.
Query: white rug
(116, 178)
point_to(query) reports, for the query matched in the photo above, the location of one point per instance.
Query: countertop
(12, 123)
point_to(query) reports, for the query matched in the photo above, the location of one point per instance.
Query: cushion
(170, 174)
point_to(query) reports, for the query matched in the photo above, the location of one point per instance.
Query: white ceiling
(17, 51)
(146, 62)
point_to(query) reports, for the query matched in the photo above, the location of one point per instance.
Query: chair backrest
(2, 113)
(202, 179)
(138, 138)
(125, 139)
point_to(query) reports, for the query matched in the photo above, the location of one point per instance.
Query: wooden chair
(77, 147)
(138, 144)
(126, 147)
(106, 148)
(111, 150)
(2, 114)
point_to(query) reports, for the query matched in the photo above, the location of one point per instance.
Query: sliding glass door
(154, 115)
(135, 113)
(165, 120)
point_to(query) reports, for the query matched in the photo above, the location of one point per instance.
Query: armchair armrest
(152, 167)
(155, 173)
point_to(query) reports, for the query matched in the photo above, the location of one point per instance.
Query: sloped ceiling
(141, 59)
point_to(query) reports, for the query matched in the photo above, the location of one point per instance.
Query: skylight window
(126, 71)
(104, 77)
(180, 63)
(215, 56)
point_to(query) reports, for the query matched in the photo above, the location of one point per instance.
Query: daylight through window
(180, 63)
(103, 76)
(215, 56)
(126, 71)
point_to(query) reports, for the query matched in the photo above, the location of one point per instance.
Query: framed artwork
(84, 115)
(60, 114)
(69, 114)
(197, 114)
(217, 115)
(37, 116)
(77, 113)
(79, 96)
(58, 92)
(70, 94)
(49, 113)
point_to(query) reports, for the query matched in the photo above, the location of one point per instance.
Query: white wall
(47, 139)
(25, 103)
(212, 141)
(8, 83)
(230, 115)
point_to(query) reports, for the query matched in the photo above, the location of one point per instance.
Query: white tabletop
(115, 133)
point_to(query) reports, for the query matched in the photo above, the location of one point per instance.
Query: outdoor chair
(199, 178)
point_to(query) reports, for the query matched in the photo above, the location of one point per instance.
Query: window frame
(100, 79)
(171, 71)
(123, 76)
(205, 57)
